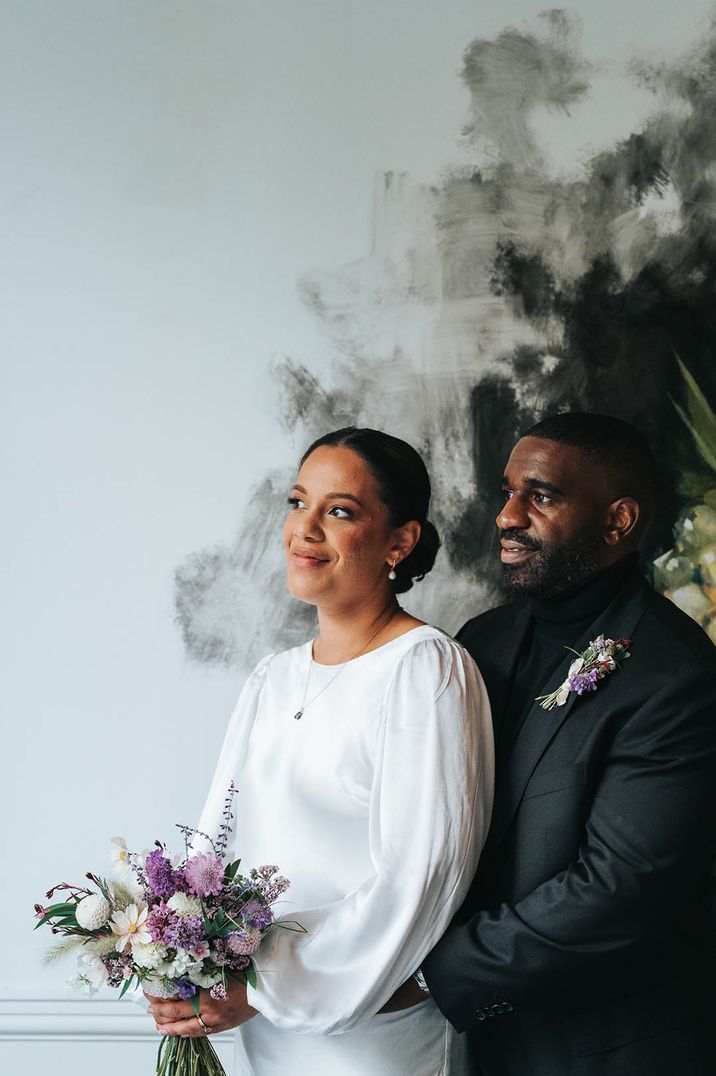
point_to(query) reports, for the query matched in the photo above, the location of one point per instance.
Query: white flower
(92, 912)
(149, 955)
(90, 976)
(183, 904)
(576, 666)
(180, 964)
(199, 978)
(130, 926)
(120, 857)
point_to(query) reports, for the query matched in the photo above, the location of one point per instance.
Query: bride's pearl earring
(392, 573)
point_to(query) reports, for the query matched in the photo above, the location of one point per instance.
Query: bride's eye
(296, 502)
(340, 512)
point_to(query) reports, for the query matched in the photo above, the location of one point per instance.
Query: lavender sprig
(222, 841)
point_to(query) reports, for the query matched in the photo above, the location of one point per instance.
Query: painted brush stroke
(499, 295)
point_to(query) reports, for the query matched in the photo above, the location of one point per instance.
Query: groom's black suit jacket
(587, 942)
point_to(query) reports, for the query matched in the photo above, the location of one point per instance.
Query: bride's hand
(175, 1017)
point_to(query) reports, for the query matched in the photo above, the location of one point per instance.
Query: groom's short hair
(614, 447)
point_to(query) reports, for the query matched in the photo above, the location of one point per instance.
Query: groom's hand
(405, 996)
(176, 1017)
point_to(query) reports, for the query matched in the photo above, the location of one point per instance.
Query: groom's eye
(543, 498)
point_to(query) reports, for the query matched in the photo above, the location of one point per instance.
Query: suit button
(496, 1010)
(480, 1014)
(507, 1006)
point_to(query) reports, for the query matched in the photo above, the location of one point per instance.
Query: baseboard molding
(29, 1016)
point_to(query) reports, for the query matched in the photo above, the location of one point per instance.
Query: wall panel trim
(36, 1016)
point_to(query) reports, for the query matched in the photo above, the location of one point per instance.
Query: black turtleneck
(556, 623)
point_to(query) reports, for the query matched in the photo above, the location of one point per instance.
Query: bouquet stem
(188, 1057)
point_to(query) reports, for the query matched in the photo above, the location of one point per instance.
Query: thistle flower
(243, 942)
(204, 875)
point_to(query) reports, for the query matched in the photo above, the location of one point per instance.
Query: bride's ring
(204, 1027)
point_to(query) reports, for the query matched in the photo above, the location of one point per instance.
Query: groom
(587, 944)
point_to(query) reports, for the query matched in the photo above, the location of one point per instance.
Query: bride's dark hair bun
(404, 487)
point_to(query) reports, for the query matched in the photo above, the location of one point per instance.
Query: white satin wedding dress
(375, 804)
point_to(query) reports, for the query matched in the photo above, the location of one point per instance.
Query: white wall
(169, 170)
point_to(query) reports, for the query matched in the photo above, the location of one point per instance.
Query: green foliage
(127, 985)
(188, 1057)
(60, 914)
(699, 419)
(231, 870)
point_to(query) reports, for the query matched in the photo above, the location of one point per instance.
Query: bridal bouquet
(170, 925)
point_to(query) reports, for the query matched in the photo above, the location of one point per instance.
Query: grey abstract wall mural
(499, 294)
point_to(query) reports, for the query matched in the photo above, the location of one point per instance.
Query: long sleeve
(649, 839)
(429, 809)
(233, 749)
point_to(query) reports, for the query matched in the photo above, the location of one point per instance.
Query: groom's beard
(553, 569)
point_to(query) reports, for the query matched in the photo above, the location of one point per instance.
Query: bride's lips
(514, 553)
(305, 558)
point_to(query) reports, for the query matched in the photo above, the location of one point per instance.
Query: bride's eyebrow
(338, 496)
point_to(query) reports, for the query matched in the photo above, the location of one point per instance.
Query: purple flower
(184, 932)
(218, 952)
(583, 682)
(238, 963)
(179, 880)
(119, 967)
(185, 989)
(243, 942)
(257, 914)
(160, 921)
(204, 875)
(272, 890)
(159, 874)
(218, 992)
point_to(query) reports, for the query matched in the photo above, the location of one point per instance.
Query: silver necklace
(299, 713)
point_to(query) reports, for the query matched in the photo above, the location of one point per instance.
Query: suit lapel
(619, 620)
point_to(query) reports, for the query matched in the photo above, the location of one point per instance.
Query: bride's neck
(345, 633)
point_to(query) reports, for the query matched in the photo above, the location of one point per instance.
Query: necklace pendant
(298, 715)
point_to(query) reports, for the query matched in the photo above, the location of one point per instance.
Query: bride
(365, 770)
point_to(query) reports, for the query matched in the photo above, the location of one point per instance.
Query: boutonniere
(601, 658)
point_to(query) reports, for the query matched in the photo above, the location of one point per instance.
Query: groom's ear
(622, 519)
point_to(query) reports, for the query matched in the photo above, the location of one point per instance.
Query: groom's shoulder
(675, 637)
(484, 623)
